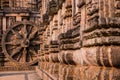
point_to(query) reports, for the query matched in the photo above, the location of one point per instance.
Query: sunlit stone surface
(60, 39)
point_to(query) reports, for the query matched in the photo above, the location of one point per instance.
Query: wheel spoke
(17, 50)
(35, 43)
(31, 36)
(30, 56)
(19, 57)
(25, 31)
(12, 48)
(14, 43)
(31, 27)
(24, 54)
(16, 33)
(33, 52)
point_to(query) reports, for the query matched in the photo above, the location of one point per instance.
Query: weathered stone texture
(87, 49)
(70, 72)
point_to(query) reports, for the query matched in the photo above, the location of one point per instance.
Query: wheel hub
(25, 43)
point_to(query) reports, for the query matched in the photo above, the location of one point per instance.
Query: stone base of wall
(58, 71)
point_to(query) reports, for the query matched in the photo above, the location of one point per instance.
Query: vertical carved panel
(117, 8)
(91, 14)
(68, 15)
(68, 3)
(101, 12)
(10, 21)
(109, 12)
(1, 22)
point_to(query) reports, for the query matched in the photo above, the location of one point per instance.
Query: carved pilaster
(92, 14)
(77, 19)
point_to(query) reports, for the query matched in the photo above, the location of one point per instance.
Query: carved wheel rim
(21, 43)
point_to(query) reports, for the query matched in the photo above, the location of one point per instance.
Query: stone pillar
(55, 28)
(4, 24)
(60, 21)
(1, 25)
(68, 15)
(18, 18)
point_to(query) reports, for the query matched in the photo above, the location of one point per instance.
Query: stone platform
(19, 75)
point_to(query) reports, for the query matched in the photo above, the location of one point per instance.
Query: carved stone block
(81, 3)
(98, 56)
(101, 14)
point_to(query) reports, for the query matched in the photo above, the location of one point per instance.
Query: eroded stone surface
(91, 40)
(79, 40)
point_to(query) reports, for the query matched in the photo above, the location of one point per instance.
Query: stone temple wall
(80, 40)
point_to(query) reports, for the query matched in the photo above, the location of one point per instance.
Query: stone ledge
(101, 33)
(111, 40)
(12, 68)
(102, 23)
(67, 41)
(96, 56)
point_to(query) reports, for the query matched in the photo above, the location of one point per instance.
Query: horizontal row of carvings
(98, 23)
(70, 40)
(95, 56)
(111, 40)
(102, 32)
(70, 46)
(67, 41)
(70, 33)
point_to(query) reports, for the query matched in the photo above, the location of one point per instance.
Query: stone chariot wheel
(21, 43)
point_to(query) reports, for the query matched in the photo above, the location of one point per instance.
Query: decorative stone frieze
(102, 24)
(52, 7)
(81, 3)
(88, 42)
(77, 19)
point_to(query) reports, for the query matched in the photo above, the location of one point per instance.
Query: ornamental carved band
(102, 23)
